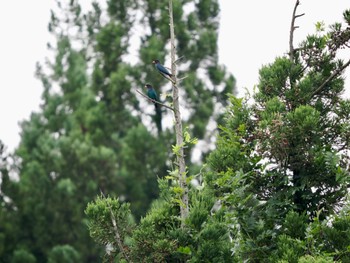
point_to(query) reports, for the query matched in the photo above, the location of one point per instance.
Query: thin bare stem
(179, 79)
(154, 101)
(178, 59)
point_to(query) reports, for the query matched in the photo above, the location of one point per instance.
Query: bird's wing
(152, 94)
(163, 69)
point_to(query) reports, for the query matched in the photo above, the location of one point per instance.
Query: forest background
(94, 165)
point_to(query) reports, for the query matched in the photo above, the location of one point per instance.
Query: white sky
(252, 34)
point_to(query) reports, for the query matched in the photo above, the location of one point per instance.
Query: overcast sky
(252, 34)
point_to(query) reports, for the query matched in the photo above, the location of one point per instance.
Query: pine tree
(281, 161)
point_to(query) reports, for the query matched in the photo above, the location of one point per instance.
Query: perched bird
(152, 94)
(161, 69)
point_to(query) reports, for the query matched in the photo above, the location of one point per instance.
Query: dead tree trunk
(291, 32)
(178, 125)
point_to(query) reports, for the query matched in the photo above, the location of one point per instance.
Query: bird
(161, 69)
(152, 94)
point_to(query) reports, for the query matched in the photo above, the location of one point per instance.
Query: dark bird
(152, 94)
(161, 69)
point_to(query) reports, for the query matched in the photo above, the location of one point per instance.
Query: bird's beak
(153, 62)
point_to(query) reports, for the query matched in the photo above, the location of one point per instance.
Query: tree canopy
(94, 133)
(96, 179)
(275, 188)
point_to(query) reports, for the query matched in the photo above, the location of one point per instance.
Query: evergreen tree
(281, 162)
(8, 227)
(276, 181)
(162, 235)
(93, 132)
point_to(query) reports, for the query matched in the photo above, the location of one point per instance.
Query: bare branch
(292, 28)
(330, 78)
(300, 15)
(178, 59)
(154, 101)
(179, 79)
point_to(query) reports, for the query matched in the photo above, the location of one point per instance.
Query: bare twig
(178, 59)
(179, 79)
(116, 231)
(330, 78)
(154, 101)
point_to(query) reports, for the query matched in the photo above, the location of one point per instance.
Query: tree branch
(178, 59)
(330, 78)
(179, 79)
(292, 28)
(154, 101)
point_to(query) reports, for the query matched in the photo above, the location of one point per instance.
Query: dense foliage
(91, 165)
(94, 132)
(275, 189)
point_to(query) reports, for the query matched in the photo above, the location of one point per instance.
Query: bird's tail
(158, 117)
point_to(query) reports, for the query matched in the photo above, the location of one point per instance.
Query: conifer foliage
(282, 160)
(275, 188)
(92, 168)
(94, 133)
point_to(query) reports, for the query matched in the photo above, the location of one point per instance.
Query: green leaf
(185, 250)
